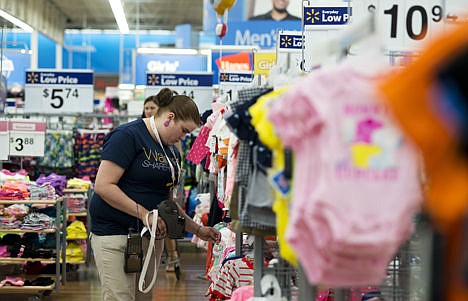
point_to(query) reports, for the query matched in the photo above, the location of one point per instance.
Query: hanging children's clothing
(238, 120)
(88, 145)
(59, 149)
(263, 126)
(347, 152)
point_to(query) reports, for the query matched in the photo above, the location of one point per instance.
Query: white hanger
(277, 78)
(271, 290)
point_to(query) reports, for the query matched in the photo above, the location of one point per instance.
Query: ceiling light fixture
(119, 15)
(126, 86)
(15, 21)
(151, 50)
(234, 47)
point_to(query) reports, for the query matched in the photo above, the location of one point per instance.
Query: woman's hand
(208, 234)
(161, 228)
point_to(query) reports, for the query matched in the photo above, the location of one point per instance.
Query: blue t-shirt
(147, 177)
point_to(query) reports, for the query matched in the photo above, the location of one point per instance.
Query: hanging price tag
(289, 49)
(231, 82)
(404, 25)
(289, 41)
(59, 91)
(321, 20)
(4, 140)
(26, 138)
(198, 86)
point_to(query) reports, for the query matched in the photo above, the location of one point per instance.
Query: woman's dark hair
(182, 106)
(148, 99)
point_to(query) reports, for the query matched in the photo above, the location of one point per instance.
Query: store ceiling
(150, 14)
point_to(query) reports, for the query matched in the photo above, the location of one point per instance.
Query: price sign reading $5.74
(59, 91)
(59, 96)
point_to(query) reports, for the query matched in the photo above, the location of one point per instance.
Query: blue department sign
(257, 33)
(329, 15)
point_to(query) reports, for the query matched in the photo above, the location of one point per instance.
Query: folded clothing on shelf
(39, 281)
(9, 280)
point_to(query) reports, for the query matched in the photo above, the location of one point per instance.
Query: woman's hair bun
(164, 97)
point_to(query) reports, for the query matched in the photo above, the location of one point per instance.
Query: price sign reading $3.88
(26, 138)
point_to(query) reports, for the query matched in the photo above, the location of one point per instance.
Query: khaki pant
(109, 256)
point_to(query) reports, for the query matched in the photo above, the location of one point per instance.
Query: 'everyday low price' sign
(198, 86)
(59, 91)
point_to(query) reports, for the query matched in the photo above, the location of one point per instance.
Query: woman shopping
(150, 107)
(139, 167)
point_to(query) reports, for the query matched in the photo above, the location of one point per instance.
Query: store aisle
(85, 285)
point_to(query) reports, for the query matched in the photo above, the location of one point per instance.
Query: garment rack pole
(258, 265)
(239, 239)
(306, 291)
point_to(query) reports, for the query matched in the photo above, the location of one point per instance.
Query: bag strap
(149, 253)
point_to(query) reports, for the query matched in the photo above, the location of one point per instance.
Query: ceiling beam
(40, 14)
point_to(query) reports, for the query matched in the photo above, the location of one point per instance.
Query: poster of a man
(277, 10)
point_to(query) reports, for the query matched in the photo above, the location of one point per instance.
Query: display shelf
(31, 202)
(58, 229)
(72, 193)
(82, 214)
(74, 190)
(48, 230)
(7, 260)
(25, 289)
(77, 238)
(77, 262)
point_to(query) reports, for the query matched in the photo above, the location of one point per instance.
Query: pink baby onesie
(356, 186)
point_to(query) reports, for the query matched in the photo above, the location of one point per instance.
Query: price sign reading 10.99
(404, 25)
(26, 138)
(59, 91)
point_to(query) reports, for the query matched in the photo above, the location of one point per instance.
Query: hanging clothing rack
(96, 118)
(78, 115)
